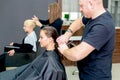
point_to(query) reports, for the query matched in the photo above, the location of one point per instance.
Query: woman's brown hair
(52, 32)
(55, 12)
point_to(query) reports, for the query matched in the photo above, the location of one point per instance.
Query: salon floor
(72, 73)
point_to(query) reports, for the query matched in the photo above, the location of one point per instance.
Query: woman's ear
(51, 39)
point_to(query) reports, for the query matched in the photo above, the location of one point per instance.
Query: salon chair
(19, 59)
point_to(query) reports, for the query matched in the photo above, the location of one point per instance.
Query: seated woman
(47, 66)
(29, 42)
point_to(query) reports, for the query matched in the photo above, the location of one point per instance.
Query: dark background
(12, 15)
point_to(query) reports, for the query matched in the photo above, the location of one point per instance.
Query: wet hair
(52, 32)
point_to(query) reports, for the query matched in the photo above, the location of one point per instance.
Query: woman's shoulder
(58, 20)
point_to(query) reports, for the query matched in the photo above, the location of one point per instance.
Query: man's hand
(62, 39)
(62, 48)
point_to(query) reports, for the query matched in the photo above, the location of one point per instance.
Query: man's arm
(76, 25)
(76, 53)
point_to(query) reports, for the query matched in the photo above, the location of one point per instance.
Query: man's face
(85, 8)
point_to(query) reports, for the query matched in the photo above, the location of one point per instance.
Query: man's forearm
(76, 25)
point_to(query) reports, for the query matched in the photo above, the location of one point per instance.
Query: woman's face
(48, 9)
(26, 27)
(44, 40)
